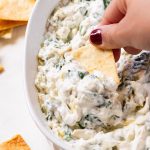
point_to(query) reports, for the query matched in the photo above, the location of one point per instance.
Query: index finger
(114, 12)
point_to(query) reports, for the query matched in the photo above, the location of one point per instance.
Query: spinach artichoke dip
(87, 110)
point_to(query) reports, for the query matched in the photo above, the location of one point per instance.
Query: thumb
(111, 36)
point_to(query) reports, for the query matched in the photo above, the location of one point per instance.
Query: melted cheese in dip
(89, 110)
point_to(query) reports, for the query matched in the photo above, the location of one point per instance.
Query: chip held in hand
(92, 58)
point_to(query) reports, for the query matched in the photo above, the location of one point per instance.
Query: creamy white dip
(89, 110)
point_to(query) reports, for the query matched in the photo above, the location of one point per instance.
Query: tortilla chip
(16, 143)
(16, 9)
(4, 24)
(1, 69)
(93, 58)
(6, 34)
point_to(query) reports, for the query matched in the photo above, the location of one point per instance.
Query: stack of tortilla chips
(13, 13)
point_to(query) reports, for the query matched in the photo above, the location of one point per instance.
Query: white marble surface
(14, 115)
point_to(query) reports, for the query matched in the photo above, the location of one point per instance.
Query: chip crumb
(1, 69)
(16, 143)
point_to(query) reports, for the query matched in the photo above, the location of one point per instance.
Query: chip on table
(18, 10)
(16, 143)
(93, 58)
(1, 68)
(5, 24)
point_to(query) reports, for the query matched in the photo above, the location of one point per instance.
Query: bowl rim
(30, 107)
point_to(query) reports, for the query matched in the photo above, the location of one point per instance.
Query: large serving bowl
(34, 36)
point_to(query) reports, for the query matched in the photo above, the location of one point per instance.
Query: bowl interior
(34, 37)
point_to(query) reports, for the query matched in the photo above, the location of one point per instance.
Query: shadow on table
(17, 32)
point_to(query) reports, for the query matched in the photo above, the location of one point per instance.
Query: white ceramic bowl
(34, 36)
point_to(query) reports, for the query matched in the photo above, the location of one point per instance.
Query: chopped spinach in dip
(90, 111)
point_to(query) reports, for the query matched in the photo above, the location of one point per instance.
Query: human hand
(126, 23)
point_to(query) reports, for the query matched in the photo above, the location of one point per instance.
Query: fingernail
(96, 37)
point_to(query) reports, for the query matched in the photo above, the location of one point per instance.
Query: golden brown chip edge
(16, 143)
